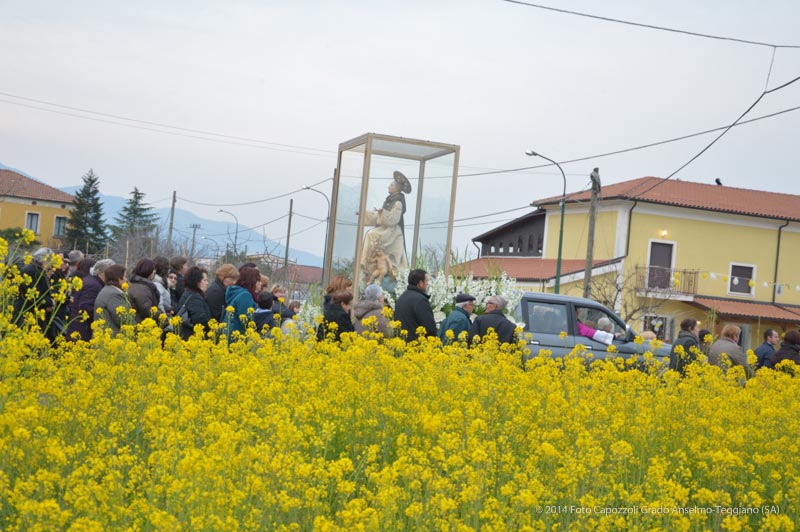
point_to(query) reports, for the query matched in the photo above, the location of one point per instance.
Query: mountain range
(219, 233)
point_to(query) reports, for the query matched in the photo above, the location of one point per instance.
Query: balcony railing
(666, 280)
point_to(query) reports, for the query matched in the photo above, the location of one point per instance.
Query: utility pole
(171, 221)
(288, 234)
(587, 277)
(194, 228)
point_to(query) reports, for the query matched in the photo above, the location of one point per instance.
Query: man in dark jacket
(413, 307)
(789, 350)
(771, 342)
(458, 321)
(495, 319)
(687, 339)
(35, 295)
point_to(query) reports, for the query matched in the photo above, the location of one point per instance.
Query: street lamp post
(216, 245)
(236, 234)
(327, 223)
(531, 153)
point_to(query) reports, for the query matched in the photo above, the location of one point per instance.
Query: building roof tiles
(18, 186)
(696, 196)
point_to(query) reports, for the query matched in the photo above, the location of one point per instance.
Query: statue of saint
(387, 238)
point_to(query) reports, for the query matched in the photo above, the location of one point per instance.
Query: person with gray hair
(493, 318)
(39, 271)
(458, 320)
(371, 305)
(99, 268)
(75, 257)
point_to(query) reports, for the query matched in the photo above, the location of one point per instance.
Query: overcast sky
(494, 77)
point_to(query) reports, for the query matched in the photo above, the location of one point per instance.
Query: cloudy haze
(494, 77)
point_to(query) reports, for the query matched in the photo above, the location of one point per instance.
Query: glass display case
(393, 207)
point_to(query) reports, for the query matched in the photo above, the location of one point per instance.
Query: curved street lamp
(216, 244)
(531, 153)
(236, 235)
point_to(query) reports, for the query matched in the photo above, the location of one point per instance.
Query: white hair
(605, 324)
(100, 266)
(40, 254)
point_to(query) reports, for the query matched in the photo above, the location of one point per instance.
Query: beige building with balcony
(664, 251)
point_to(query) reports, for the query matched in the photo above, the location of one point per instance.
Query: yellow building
(668, 250)
(27, 203)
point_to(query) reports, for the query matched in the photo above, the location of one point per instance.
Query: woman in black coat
(142, 292)
(194, 300)
(688, 340)
(83, 301)
(337, 312)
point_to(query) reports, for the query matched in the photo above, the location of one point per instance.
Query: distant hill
(216, 230)
(4, 167)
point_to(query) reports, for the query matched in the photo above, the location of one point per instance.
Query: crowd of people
(725, 351)
(413, 311)
(161, 288)
(157, 288)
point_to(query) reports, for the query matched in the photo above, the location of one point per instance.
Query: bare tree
(619, 291)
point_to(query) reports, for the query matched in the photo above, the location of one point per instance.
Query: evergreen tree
(86, 229)
(136, 220)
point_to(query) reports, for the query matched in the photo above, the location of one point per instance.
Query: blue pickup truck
(547, 316)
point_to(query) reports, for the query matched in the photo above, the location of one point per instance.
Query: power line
(179, 128)
(492, 172)
(245, 230)
(652, 26)
(641, 147)
(173, 133)
(312, 226)
(568, 161)
(701, 152)
(254, 201)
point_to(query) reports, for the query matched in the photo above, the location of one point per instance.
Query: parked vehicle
(552, 320)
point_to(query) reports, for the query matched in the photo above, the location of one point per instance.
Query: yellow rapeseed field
(124, 433)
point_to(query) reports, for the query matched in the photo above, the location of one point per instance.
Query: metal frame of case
(372, 144)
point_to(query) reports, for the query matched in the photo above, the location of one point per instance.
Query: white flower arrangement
(444, 288)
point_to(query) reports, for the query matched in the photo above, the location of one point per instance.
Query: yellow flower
(28, 236)
(230, 309)
(77, 283)
(562, 334)
(55, 260)
(124, 287)
(450, 334)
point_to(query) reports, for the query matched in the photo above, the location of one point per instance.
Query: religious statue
(380, 266)
(387, 237)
